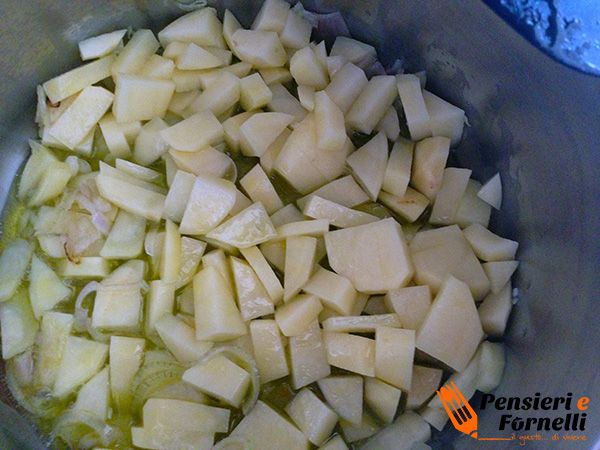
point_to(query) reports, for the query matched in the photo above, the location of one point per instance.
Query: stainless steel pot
(533, 119)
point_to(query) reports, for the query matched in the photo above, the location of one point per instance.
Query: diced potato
(263, 428)
(452, 330)
(195, 57)
(207, 161)
(499, 273)
(210, 201)
(180, 339)
(220, 378)
(54, 330)
(345, 395)
(382, 398)
(361, 262)
(264, 272)
(331, 129)
(346, 86)
(262, 49)
(94, 397)
(429, 162)
(308, 357)
(125, 355)
(491, 192)
(411, 304)
(179, 195)
(489, 246)
(241, 202)
(398, 169)
(415, 112)
(269, 350)
(296, 317)
(368, 427)
(131, 59)
(434, 253)
(390, 124)
(141, 98)
(285, 102)
(158, 67)
(368, 164)
(444, 119)
(219, 95)
(409, 431)
(253, 299)
(126, 237)
(46, 289)
(187, 81)
(336, 215)
(344, 191)
(495, 310)
(259, 188)
(314, 418)
(258, 132)
(306, 96)
(114, 137)
(491, 366)
(87, 267)
(218, 259)
(231, 129)
(170, 260)
(335, 64)
(436, 417)
(287, 214)
(102, 45)
(202, 27)
(425, 382)
(410, 207)
(133, 199)
(148, 145)
(296, 32)
(177, 415)
(19, 327)
(394, 354)
(181, 100)
(73, 81)
(52, 183)
(246, 229)
(193, 133)
(275, 75)
(334, 291)
(350, 352)
(272, 16)
(82, 359)
(34, 169)
(161, 299)
(447, 200)
(141, 172)
(254, 92)
(299, 264)
(73, 126)
(160, 438)
(13, 265)
(110, 171)
(174, 50)
(471, 208)
(217, 316)
(191, 254)
(307, 70)
(372, 103)
(354, 51)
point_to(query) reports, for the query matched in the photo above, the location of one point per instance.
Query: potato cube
(193, 133)
(308, 357)
(343, 191)
(195, 57)
(499, 273)
(262, 49)
(334, 291)
(314, 228)
(299, 263)
(275, 75)
(415, 111)
(246, 229)
(191, 254)
(179, 195)
(207, 161)
(306, 96)
(411, 304)
(425, 382)
(102, 45)
(360, 324)
(202, 27)
(272, 16)
(132, 58)
(284, 102)
(372, 103)
(125, 355)
(350, 352)
(346, 86)
(489, 246)
(170, 257)
(254, 92)
(314, 418)
(158, 67)
(368, 427)
(353, 50)
(394, 354)
(361, 262)
(382, 398)
(269, 350)
(264, 272)
(306, 69)
(296, 317)
(390, 124)
(148, 146)
(491, 192)
(471, 208)
(368, 164)
(491, 366)
(87, 267)
(219, 95)
(161, 299)
(231, 129)
(161, 414)
(336, 215)
(444, 119)
(220, 378)
(429, 161)
(141, 98)
(258, 132)
(447, 200)
(452, 330)
(495, 310)
(296, 31)
(253, 299)
(55, 328)
(398, 169)
(344, 393)
(19, 327)
(331, 128)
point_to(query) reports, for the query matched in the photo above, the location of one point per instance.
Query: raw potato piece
(19, 327)
(372, 103)
(220, 378)
(299, 263)
(308, 357)
(178, 415)
(148, 145)
(452, 330)
(125, 356)
(444, 119)
(382, 398)
(394, 354)
(141, 98)
(350, 352)
(429, 162)
(269, 350)
(331, 128)
(265, 429)
(360, 324)
(82, 359)
(411, 304)
(425, 381)
(377, 260)
(314, 418)
(296, 317)
(258, 132)
(307, 70)
(284, 102)
(254, 92)
(471, 208)
(217, 316)
(253, 299)
(264, 272)
(346, 86)
(390, 124)
(447, 200)
(161, 299)
(262, 49)
(272, 16)
(314, 228)
(491, 366)
(94, 397)
(246, 229)
(489, 246)
(210, 201)
(102, 45)
(368, 164)
(202, 27)
(126, 237)
(90, 267)
(367, 428)
(180, 339)
(193, 133)
(491, 192)
(495, 310)
(170, 261)
(46, 289)
(499, 273)
(218, 96)
(132, 58)
(334, 291)
(344, 191)
(336, 215)
(179, 195)
(417, 117)
(197, 58)
(354, 51)
(158, 67)
(306, 96)
(345, 395)
(207, 161)
(410, 207)
(398, 169)
(296, 32)
(133, 199)
(54, 331)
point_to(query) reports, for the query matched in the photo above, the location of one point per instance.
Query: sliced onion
(81, 314)
(243, 359)
(39, 403)
(233, 443)
(83, 430)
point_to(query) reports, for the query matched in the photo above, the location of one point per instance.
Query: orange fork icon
(461, 414)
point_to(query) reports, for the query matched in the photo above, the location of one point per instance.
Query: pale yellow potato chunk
(254, 92)
(350, 352)
(314, 418)
(141, 98)
(382, 398)
(269, 350)
(308, 357)
(344, 393)
(253, 299)
(447, 200)
(489, 246)
(394, 354)
(425, 382)
(429, 161)
(398, 169)
(125, 354)
(300, 259)
(334, 291)
(193, 133)
(368, 164)
(295, 317)
(372, 103)
(411, 304)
